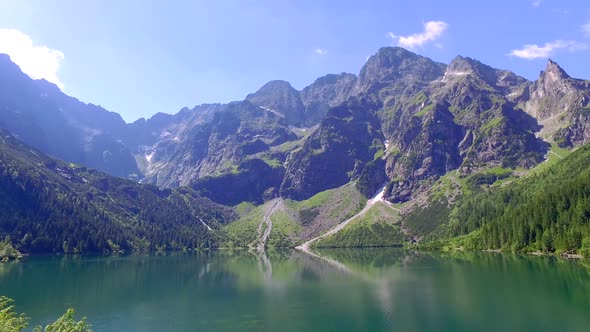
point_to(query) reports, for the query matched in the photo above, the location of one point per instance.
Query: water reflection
(344, 290)
(264, 265)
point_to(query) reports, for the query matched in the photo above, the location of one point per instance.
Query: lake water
(345, 290)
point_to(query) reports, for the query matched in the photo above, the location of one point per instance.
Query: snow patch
(149, 157)
(297, 129)
(459, 73)
(275, 112)
(202, 222)
(454, 73)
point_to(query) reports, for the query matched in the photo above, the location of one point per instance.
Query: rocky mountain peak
(553, 72)
(460, 63)
(395, 64)
(280, 97)
(463, 66)
(276, 85)
(390, 56)
(389, 59)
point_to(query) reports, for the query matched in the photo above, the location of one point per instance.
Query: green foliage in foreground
(11, 321)
(67, 323)
(548, 211)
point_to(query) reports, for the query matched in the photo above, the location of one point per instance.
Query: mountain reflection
(287, 290)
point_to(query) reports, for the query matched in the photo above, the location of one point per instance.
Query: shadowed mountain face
(405, 120)
(39, 114)
(326, 92)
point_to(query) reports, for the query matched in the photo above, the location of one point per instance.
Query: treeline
(51, 206)
(548, 211)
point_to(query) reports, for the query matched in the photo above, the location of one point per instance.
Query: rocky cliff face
(335, 153)
(561, 104)
(428, 149)
(326, 92)
(212, 140)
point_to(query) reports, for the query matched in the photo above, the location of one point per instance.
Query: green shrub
(11, 321)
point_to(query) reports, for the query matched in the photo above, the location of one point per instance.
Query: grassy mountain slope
(293, 221)
(51, 206)
(378, 227)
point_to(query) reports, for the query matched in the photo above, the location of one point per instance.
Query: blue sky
(139, 57)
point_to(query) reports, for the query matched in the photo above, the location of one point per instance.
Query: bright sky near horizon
(139, 57)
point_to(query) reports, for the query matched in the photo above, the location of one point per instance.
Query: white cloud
(35, 60)
(534, 51)
(586, 29)
(536, 3)
(320, 51)
(432, 31)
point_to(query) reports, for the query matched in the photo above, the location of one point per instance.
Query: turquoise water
(346, 290)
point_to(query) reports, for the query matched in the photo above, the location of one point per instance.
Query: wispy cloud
(561, 11)
(432, 31)
(320, 51)
(536, 3)
(586, 29)
(534, 51)
(35, 60)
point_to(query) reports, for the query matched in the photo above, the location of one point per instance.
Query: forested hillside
(51, 206)
(547, 211)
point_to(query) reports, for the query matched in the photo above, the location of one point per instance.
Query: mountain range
(423, 134)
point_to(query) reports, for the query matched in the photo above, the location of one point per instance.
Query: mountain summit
(554, 72)
(281, 98)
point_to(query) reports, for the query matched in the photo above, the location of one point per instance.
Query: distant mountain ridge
(405, 120)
